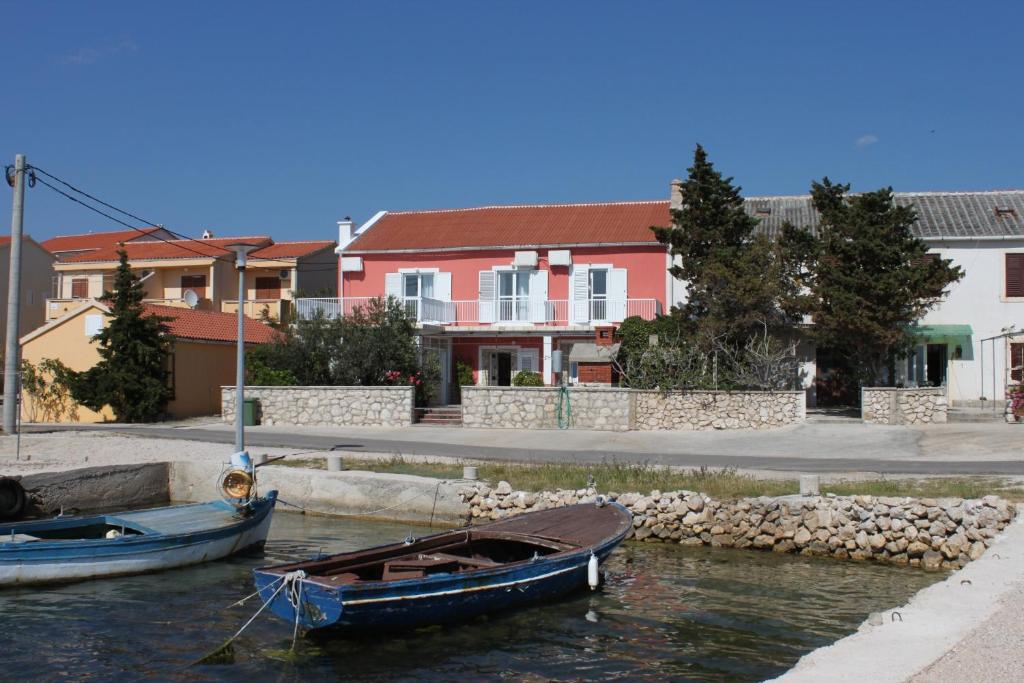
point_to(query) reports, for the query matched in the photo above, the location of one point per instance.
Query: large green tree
(871, 278)
(132, 374)
(737, 279)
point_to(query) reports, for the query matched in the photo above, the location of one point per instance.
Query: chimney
(604, 335)
(675, 195)
(346, 232)
(207, 234)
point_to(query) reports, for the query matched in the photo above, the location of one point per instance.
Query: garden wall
(892, 406)
(327, 406)
(614, 409)
(933, 534)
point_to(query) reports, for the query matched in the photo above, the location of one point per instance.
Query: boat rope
(224, 648)
(294, 596)
(250, 596)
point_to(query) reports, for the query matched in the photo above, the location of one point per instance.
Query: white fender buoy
(592, 577)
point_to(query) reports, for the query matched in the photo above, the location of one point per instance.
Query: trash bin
(250, 412)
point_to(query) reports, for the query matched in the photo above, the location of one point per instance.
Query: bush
(527, 378)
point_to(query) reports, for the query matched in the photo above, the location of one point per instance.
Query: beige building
(192, 273)
(201, 361)
(36, 273)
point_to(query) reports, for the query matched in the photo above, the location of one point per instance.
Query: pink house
(501, 288)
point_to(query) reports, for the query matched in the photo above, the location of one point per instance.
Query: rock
(931, 561)
(695, 503)
(862, 540)
(784, 546)
(976, 551)
(917, 549)
(876, 542)
(802, 537)
(643, 532)
(503, 489)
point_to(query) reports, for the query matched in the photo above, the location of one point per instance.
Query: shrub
(526, 378)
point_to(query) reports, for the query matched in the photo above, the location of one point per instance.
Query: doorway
(499, 368)
(935, 364)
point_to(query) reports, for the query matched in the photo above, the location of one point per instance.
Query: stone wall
(616, 409)
(933, 534)
(885, 405)
(327, 406)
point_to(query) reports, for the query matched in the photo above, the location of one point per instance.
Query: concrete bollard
(469, 473)
(810, 485)
(334, 463)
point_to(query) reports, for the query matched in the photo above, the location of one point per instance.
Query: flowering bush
(1015, 393)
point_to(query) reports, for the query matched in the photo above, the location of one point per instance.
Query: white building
(973, 341)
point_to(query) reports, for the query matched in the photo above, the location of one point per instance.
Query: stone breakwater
(891, 406)
(327, 406)
(930, 533)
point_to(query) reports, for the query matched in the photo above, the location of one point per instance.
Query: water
(666, 613)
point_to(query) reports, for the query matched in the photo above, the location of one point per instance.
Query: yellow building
(201, 361)
(36, 273)
(176, 272)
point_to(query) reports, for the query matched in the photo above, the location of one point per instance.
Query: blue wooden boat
(66, 549)
(450, 576)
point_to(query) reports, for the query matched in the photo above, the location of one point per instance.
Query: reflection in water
(666, 613)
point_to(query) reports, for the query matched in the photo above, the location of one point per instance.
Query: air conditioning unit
(285, 274)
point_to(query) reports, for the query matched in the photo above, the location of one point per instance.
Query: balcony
(259, 309)
(507, 311)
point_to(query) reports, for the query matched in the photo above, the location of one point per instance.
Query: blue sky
(281, 118)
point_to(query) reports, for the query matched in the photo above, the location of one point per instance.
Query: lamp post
(241, 251)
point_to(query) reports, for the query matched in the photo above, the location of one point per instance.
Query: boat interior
(447, 553)
(89, 528)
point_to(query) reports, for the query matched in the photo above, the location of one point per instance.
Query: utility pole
(11, 356)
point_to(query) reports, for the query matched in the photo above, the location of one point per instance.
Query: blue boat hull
(438, 598)
(158, 539)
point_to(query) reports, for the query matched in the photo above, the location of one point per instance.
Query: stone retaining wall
(616, 409)
(327, 406)
(892, 406)
(934, 534)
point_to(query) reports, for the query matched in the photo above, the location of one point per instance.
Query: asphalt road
(489, 447)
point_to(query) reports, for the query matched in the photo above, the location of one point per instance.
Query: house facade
(201, 360)
(196, 274)
(36, 272)
(500, 289)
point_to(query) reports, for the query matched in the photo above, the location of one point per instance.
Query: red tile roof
(514, 226)
(171, 249)
(94, 240)
(292, 249)
(212, 326)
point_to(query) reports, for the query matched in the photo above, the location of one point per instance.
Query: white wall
(978, 300)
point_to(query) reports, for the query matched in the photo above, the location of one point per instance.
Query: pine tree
(872, 279)
(131, 376)
(735, 278)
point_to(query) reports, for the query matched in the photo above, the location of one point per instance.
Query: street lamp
(241, 250)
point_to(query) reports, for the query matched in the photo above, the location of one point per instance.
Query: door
(196, 283)
(268, 288)
(499, 369)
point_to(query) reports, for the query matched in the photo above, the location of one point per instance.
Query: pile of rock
(933, 534)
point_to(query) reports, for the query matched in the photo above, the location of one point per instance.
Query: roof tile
(187, 323)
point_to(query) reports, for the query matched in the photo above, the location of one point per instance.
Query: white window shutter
(488, 292)
(538, 296)
(393, 285)
(528, 360)
(443, 286)
(617, 295)
(579, 295)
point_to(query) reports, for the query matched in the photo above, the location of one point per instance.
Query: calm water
(666, 613)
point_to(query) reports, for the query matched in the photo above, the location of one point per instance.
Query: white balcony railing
(502, 311)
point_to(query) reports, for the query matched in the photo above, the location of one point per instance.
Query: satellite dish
(190, 297)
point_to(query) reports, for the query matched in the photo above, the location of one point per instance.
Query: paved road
(819, 448)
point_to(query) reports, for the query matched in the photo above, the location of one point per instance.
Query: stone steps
(446, 416)
(975, 415)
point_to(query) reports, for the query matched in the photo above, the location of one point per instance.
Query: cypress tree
(131, 376)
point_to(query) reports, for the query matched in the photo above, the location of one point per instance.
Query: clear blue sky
(281, 118)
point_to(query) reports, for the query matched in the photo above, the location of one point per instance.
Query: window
(416, 286)
(1017, 362)
(80, 288)
(513, 295)
(93, 324)
(598, 294)
(1015, 275)
(196, 283)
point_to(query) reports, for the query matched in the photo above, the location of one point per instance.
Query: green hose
(564, 408)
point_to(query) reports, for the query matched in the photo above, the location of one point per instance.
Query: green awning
(943, 331)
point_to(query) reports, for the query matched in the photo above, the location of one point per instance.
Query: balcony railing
(503, 311)
(273, 309)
